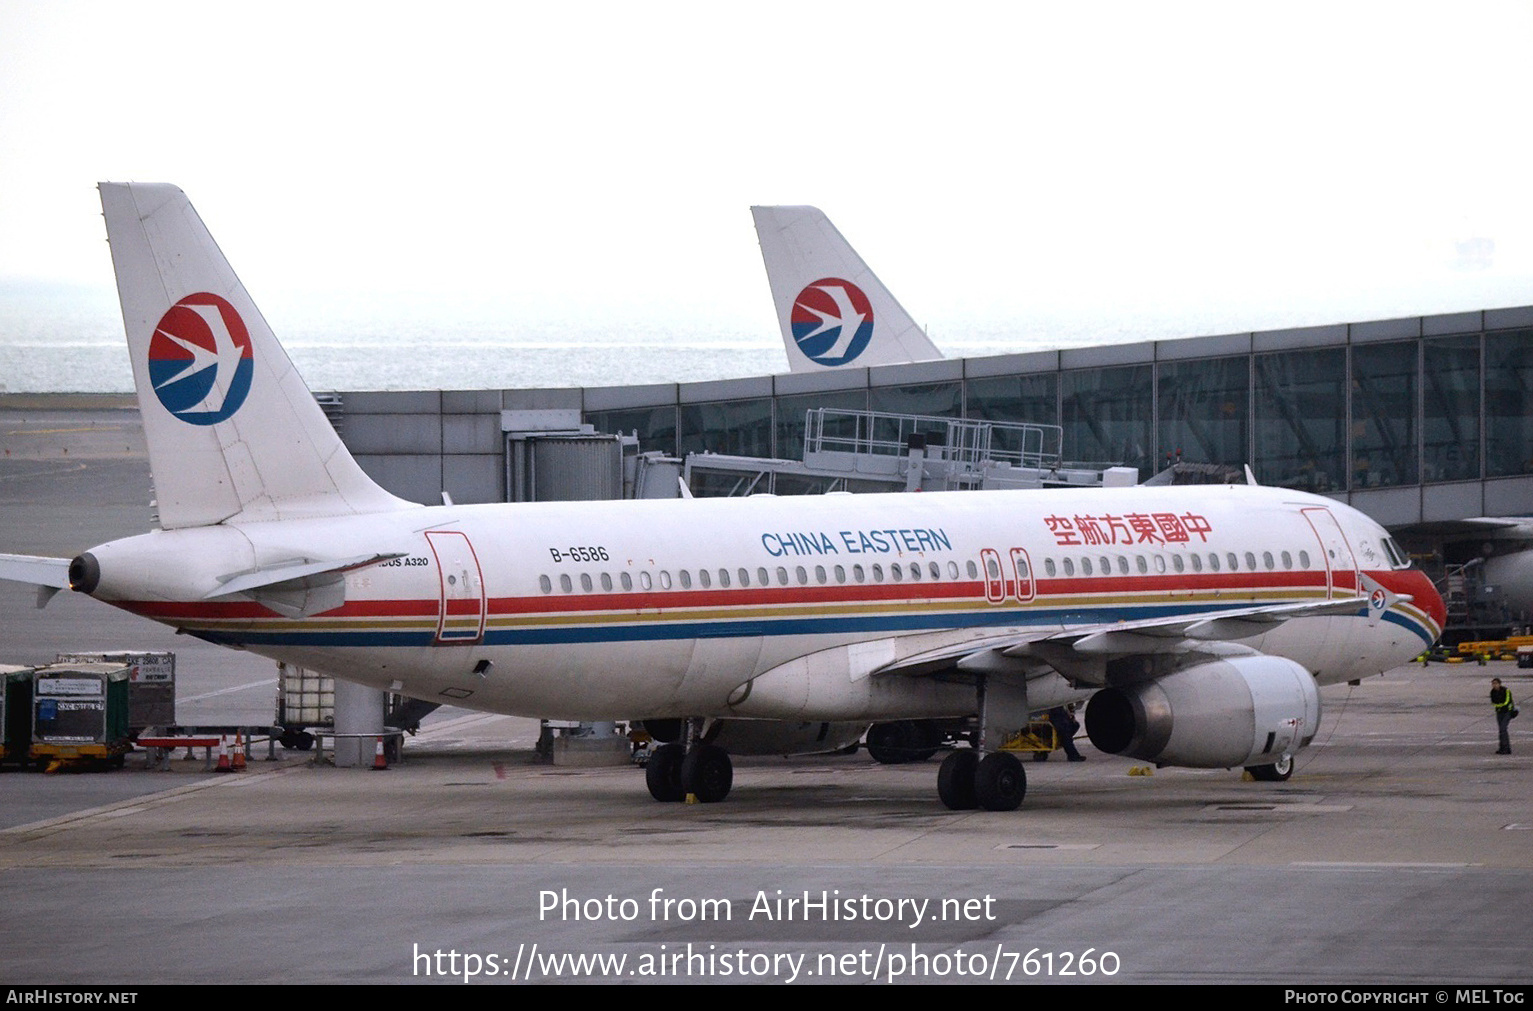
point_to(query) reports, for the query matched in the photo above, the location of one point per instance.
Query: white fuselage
(667, 608)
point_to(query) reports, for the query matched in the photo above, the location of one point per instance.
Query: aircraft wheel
(707, 773)
(1000, 782)
(1277, 772)
(662, 773)
(955, 779)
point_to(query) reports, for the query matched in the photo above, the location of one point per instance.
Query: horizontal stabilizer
(298, 588)
(49, 575)
(295, 572)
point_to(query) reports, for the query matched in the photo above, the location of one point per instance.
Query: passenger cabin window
(952, 570)
(840, 573)
(724, 578)
(1197, 563)
(703, 579)
(1178, 564)
(626, 580)
(745, 577)
(973, 570)
(878, 573)
(1048, 566)
(606, 582)
(1069, 566)
(1267, 561)
(1085, 566)
(545, 584)
(819, 574)
(1287, 560)
(894, 572)
(665, 579)
(803, 577)
(761, 576)
(1303, 559)
(686, 579)
(858, 574)
(565, 585)
(1142, 565)
(782, 576)
(645, 582)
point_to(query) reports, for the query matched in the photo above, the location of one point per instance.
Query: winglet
(833, 311)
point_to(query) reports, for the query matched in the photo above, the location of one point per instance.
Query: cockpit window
(1397, 558)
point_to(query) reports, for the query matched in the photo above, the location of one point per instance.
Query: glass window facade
(1450, 409)
(1205, 411)
(1508, 389)
(656, 425)
(1331, 418)
(1301, 418)
(790, 418)
(736, 427)
(1106, 415)
(1384, 450)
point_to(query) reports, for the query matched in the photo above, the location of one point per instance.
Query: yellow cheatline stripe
(755, 612)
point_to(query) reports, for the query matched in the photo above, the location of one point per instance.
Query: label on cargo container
(69, 686)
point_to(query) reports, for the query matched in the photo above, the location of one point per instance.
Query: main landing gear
(704, 770)
(995, 782)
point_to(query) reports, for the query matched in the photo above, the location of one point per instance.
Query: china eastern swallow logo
(200, 361)
(832, 321)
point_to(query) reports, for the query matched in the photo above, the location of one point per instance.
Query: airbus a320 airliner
(1199, 620)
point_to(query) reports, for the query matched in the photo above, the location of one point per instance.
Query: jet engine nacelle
(1250, 710)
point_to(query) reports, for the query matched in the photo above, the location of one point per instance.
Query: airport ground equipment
(306, 702)
(80, 713)
(151, 685)
(15, 712)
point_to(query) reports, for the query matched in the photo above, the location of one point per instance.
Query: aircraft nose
(1427, 598)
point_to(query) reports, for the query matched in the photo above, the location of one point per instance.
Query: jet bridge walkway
(861, 451)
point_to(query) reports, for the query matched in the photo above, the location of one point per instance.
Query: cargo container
(80, 713)
(151, 685)
(15, 713)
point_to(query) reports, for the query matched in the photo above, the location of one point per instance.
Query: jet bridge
(862, 451)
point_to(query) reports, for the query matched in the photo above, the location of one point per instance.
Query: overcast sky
(995, 162)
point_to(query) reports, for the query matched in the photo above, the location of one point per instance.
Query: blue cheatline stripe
(762, 627)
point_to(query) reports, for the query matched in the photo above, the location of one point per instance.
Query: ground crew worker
(1501, 698)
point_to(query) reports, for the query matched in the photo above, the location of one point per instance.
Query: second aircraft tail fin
(232, 429)
(832, 309)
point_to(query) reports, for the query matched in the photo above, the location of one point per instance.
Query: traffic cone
(379, 761)
(238, 761)
(223, 757)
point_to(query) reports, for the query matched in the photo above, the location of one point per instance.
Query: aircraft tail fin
(232, 429)
(832, 309)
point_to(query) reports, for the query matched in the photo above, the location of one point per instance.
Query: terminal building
(1422, 423)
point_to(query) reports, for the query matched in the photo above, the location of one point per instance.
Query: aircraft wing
(1082, 652)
